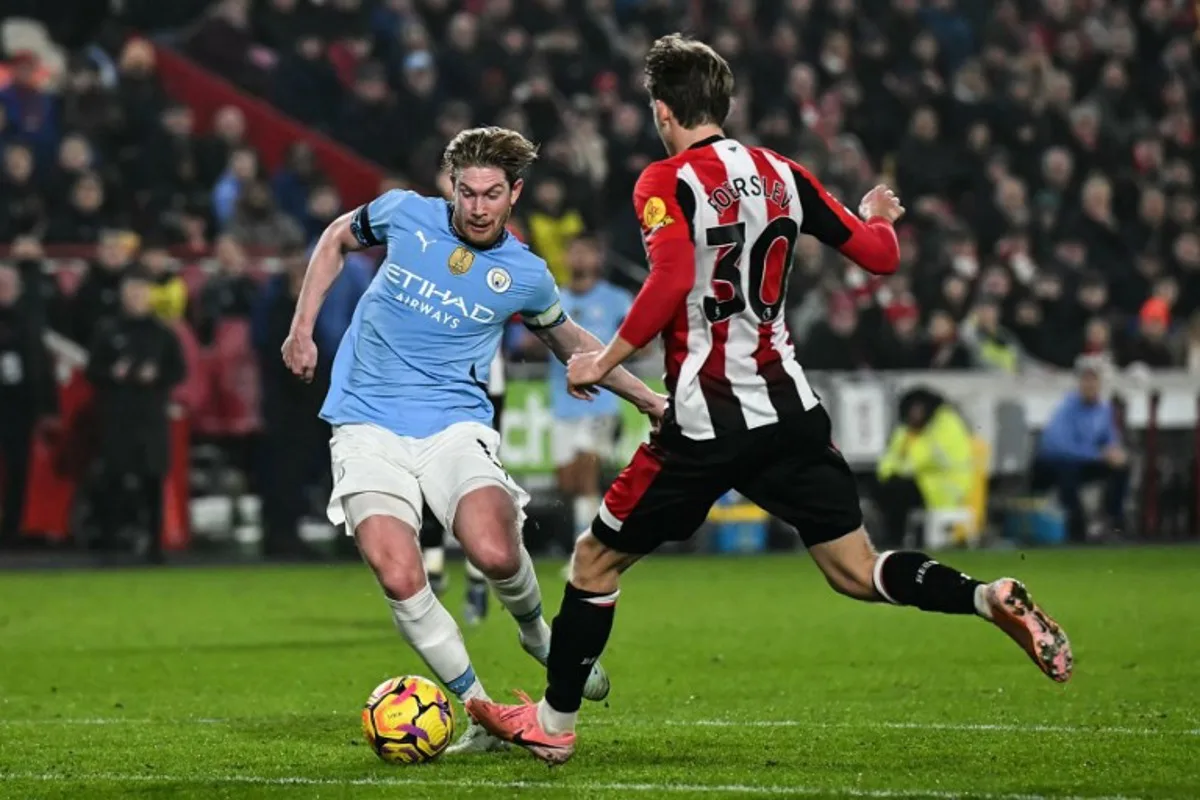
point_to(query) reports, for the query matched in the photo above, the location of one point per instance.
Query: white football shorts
(583, 435)
(436, 471)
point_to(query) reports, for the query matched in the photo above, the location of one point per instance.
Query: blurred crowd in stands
(1046, 151)
(1045, 148)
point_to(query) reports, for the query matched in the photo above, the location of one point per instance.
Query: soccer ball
(408, 720)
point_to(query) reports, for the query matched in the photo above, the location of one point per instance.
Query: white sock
(585, 511)
(473, 572)
(555, 722)
(426, 625)
(982, 607)
(435, 560)
(522, 596)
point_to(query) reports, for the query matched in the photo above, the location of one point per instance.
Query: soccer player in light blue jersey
(408, 398)
(585, 433)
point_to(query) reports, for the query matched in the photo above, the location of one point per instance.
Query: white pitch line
(776, 790)
(971, 727)
(1013, 727)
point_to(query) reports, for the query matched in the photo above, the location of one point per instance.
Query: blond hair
(501, 148)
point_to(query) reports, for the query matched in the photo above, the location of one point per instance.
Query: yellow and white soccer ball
(408, 720)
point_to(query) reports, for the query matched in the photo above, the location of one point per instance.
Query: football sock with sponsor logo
(910, 578)
(522, 596)
(426, 625)
(580, 633)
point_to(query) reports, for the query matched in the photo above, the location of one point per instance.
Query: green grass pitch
(731, 677)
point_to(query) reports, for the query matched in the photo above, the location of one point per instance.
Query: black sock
(910, 578)
(577, 639)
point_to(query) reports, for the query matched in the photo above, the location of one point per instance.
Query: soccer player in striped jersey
(720, 222)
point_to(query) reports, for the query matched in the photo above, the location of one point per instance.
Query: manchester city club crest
(460, 261)
(499, 280)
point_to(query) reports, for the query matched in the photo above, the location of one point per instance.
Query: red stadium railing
(268, 130)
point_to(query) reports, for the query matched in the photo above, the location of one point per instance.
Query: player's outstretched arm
(569, 340)
(299, 349)
(870, 241)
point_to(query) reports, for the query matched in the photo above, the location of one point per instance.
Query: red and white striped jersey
(720, 222)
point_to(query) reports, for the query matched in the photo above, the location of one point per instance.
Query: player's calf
(911, 578)
(486, 524)
(853, 567)
(389, 546)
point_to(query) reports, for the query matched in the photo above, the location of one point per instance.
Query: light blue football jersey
(600, 310)
(417, 355)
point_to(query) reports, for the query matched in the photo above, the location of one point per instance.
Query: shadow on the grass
(387, 636)
(379, 622)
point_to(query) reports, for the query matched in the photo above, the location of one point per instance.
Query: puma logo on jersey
(424, 242)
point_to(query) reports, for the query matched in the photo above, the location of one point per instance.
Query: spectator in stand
(168, 292)
(169, 178)
(142, 98)
(229, 293)
(1080, 445)
(324, 206)
(1148, 346)
(76, 158)
(22, 203)
(28, 396)
(226, 43)
(993, 347)
(89, 107)
(242, 170)
(214, 150)
(901, 346)
(371, 121)
(31, 112)
(280, 23)
(305, 85)
(943, 348)
(86, 216)
(258, 223)
(294, 432)
(99, 294)
(835, 343)
(1097, 342)
(294, 180)
(41, 295)
(134, 362)
(552, 226)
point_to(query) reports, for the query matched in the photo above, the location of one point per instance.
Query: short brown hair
(501, 148)
(691, 79)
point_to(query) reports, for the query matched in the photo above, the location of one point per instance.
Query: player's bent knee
(397, 564)
(485, 522)
(385, 529)
(496, 555)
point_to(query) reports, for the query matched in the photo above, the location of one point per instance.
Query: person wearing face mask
(134, 361)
